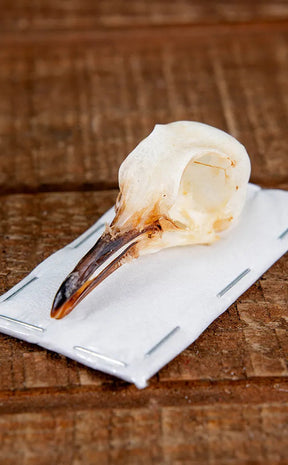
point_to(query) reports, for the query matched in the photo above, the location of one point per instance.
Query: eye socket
(207, 182)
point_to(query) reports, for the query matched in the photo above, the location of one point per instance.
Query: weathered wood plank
(248, 341)
(88, 14)
(70, 113)
(226, 434)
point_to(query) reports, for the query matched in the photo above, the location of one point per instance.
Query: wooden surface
(23, 15)
(81, 83)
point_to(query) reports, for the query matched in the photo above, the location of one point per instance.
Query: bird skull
(181, 185)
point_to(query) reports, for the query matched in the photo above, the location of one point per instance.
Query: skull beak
(82, 280)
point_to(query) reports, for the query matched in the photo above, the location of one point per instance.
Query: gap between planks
(149, 33)
(58, 188)
(265, 183)
(118, 394)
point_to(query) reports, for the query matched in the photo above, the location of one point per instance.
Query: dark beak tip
(77, 284)
(57, 313)
(53, 313)
(57, 305)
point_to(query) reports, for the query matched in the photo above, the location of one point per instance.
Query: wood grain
(170, 436)
(82, 82)
(69, 114)
(88, 14)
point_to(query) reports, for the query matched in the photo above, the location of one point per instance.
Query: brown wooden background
(81, 82)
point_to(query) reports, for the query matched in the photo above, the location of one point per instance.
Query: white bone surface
(190, 173)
